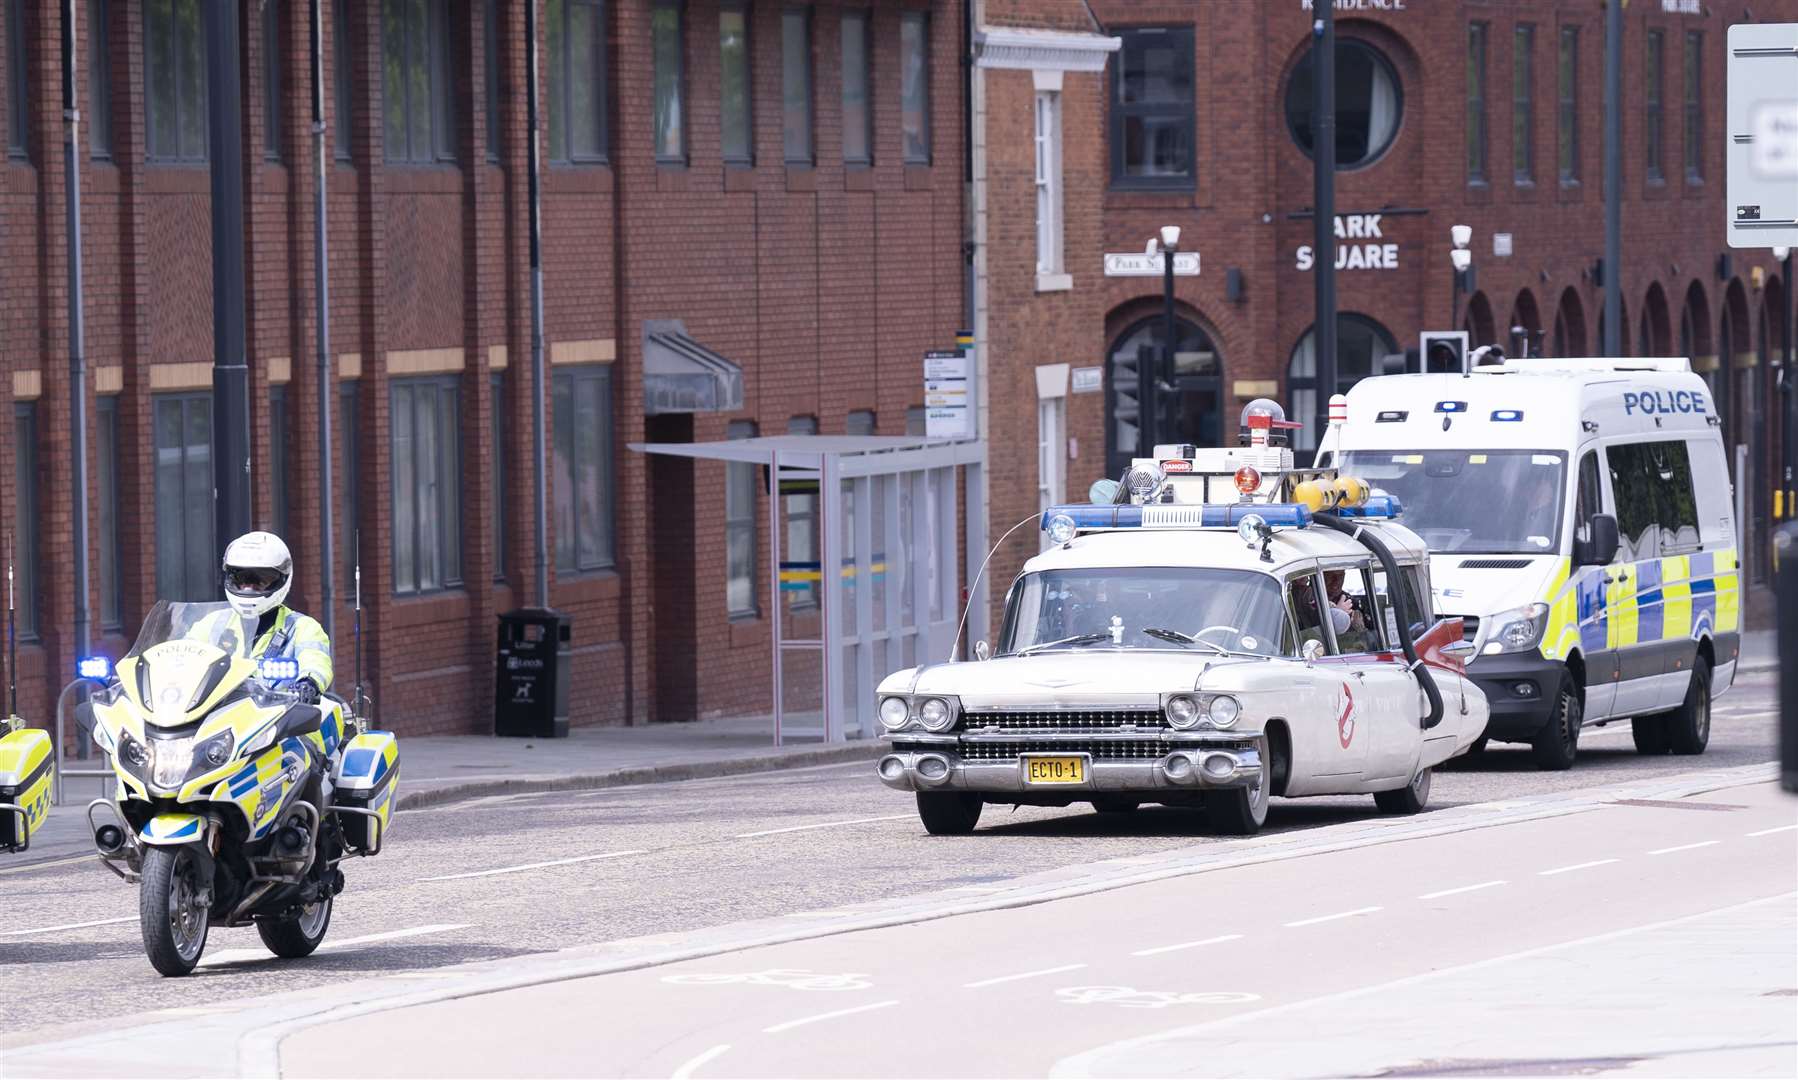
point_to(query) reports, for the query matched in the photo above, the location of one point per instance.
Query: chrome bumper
(1190, 767)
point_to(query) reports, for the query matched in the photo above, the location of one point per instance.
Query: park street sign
(1140, 264)
(1761, 154)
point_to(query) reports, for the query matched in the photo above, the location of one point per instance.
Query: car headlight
(1183, 711)
(1516, 630)
(894, 712)
(1223, 710)
(935, 714)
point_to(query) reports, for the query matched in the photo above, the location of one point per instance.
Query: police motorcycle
(236, 800)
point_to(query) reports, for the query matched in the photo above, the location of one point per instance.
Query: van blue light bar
(1096, 517)
(1377, 506)
(1174, 516)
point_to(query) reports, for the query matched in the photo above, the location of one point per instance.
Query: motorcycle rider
(258, 571)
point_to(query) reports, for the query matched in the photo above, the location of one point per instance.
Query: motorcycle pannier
(24, 785)
(367, 779)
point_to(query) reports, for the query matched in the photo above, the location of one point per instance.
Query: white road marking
(238, 956)
(976, 888)
(535, 865)
(1683, 847)
(686, 1071)
(1159, 949)
(1021, 975)
(1576, 866)
(1769, 832)
(1465, 888)
(29, 867)
(804, 1020)
(819, 825)
(1332, 918)
(66, 926)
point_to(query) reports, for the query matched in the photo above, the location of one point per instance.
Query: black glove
(307, 691)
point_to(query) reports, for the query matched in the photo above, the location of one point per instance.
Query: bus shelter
(886, 570)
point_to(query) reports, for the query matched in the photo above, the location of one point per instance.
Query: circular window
(1368, 104)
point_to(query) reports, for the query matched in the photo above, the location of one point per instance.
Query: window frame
(205, 589)
(106, 509)
(1478, 161)
(490, 76)
(921, 155)
(179, 155)
(1567, 127)
(496, 431)
(810, 129)
(1326, 633)
(746, 157)
(440, 86)
(272, 127)
(27, 505)
(1523, 104)
(559, 89)
(606, 470)
(444, 488)
(342, 61)
(1654, 105)
(99, 80)
(678, 84)
(280, 432)
(1050, 220)
(1121, 114)
(349, 407)
(741, 480)
(1692, 106)
(18, 84)
(864, 18)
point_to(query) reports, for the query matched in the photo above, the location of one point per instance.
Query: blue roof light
(93, 667)
(1377, 506)
(1175, 515)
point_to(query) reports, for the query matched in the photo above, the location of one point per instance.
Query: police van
(1579, 518)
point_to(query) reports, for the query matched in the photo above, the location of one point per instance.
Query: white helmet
(258, 572)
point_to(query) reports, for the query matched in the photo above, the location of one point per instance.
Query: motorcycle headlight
(214, 751)
(1516, 630)
(132, 752)
(936, 715)
(1223, 710)
(170, 761)
(1183, 711)
(894, 713)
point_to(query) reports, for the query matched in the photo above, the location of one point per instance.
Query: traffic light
(1443, 351)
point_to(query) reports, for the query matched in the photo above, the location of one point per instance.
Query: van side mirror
(1601, 545)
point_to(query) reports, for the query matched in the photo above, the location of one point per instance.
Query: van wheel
(1410, 799)
(1556, 745)
(1689, 726)
(949, 813)
(1651, 735)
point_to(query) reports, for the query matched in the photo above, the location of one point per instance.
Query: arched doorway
(1523, 334)
(1361, 343)
(1622, 334)
(1190, 398)
(1570, 326)
(1695, 329)
(1478, 322)
(1653, 338)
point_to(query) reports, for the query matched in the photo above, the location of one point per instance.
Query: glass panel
(201, 558)
(99, 79)
(170, 528)
(277, 458)
(796, 85)
(191, 74)
(587, 430)
(427, 456)
(418, 81)
(671, 137)
(351, 460)
(586, 82)
(733, 105)
(555, 82)
(106, 514)
(490, 73)
(914, 85)
(341, 54)
(562, 479)
(405, 493)
(1369, 105)
(393, 77)
(857, 128)
(164, 138)
(271, 78)
(497, 456)
(449, 479)
(25, 524)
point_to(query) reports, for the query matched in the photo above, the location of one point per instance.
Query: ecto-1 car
(1172, 647)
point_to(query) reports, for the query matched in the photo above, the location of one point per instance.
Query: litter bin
(1785, 564)
(530, 698)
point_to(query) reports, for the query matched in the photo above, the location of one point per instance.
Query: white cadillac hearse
(1218, 629)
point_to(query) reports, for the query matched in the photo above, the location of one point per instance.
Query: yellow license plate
(1055, 770)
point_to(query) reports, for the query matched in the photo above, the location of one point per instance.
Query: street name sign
(1140, 264)
(1761, 121)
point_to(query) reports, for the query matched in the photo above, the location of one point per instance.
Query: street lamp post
(1789, 430)
(1461, 258)
(1170, 243)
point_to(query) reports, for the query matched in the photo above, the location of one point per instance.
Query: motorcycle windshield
(185, 651)
(214, 624)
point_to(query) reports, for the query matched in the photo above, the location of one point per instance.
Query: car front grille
(1064, 720)
(1101, 750)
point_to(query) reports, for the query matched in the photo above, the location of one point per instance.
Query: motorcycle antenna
(12, 638)
(358, 620)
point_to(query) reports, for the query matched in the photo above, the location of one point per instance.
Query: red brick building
(1486, 113)
(779, 184)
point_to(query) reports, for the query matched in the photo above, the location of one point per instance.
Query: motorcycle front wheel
(172, 909)
(295, 936)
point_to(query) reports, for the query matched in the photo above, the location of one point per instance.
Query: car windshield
(215, 624)
(1180, 608)
(1487, 502)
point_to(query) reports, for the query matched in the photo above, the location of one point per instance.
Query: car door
(1334, 730)
(1379, 699)
(1592, 595)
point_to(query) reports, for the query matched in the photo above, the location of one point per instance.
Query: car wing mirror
(982, 651)
(1459, 650)
(1312, 651)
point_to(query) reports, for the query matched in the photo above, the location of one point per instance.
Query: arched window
(1361, 345)
(1369, 104)
(1570, 326)
(1189, 399)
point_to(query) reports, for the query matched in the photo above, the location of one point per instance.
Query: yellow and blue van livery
(24, 784)
(1580, 521)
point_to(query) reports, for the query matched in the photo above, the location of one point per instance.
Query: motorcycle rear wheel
(172, 909)
(296, 936)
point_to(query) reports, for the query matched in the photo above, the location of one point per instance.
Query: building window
(735, 97)
(740, 481)
(1694, 106)
(1369, 106)
(1653, 76)
(577, 80)
(1190, 405)
(1361, 345)
(801, 546)
(1523, 105)
(106, 511)
(417, 87)
(1568, 119)
(916, 420)
(1476, 103)
(1051, 454)
(271, 79)
(490, 73)
(174, 81)
(858, 113)
(1048, 183)
(99, 79)
(497, 456)
(348, 414)
(341, 60)
(1152, 109)
(583, 469)
(17, 83)
(427, 482)
(278, 457)
(860, 422)
(914, 86)
(668, 39)
(186, 556)
(25, 517)
(796, 85)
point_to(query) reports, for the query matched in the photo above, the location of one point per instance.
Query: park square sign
(1360, 245)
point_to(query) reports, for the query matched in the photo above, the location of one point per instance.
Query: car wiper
(1077, 639)
(1185, 639)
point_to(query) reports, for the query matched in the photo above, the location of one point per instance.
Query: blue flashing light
(93, 667)
(276, 669)
(1227, 515)
(1287, 515)
(1507, 416)
(1377, 506)
(1096, 517)
(1451, 406)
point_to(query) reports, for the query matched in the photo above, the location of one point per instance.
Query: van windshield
(1476, 502)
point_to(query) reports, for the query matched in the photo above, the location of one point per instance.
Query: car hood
(1484, 585)
(1067, 678)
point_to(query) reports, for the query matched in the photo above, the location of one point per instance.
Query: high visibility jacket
(290, 633)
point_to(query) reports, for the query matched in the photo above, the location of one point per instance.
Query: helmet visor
(253, 580)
